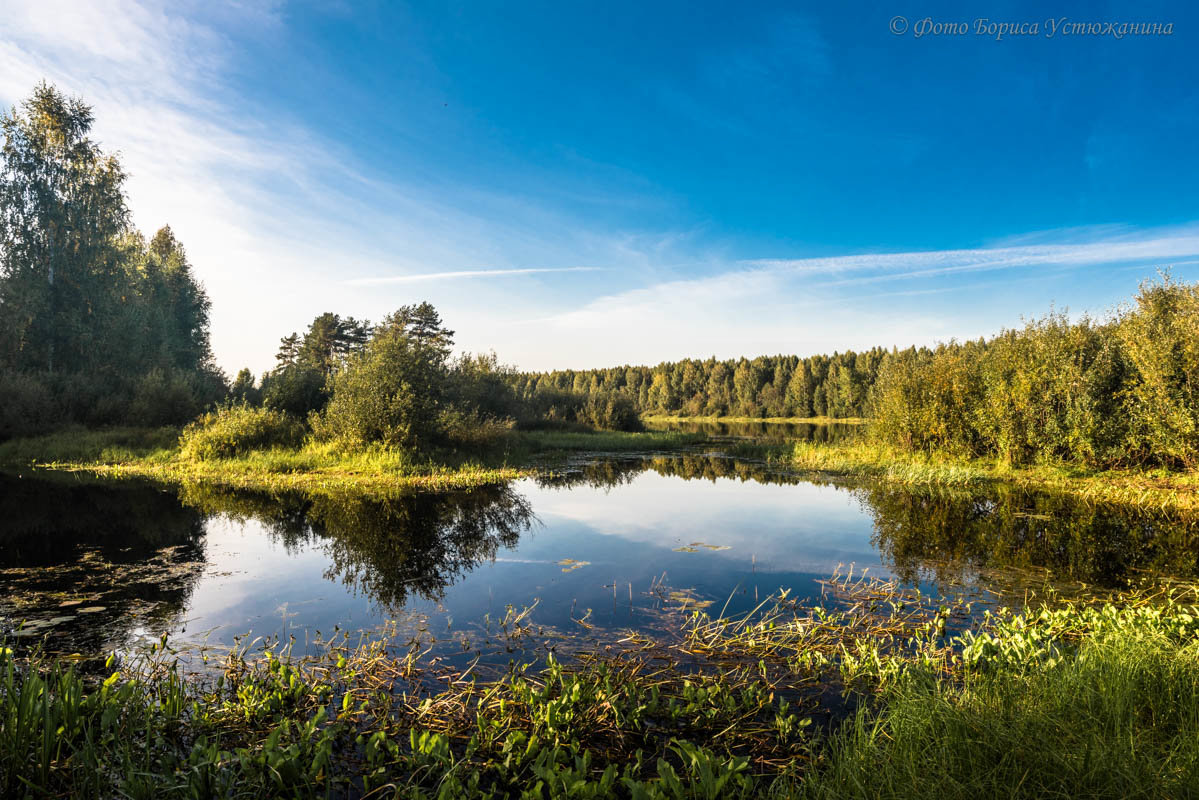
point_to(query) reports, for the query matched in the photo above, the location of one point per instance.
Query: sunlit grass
(318, 467)
(1157, 488)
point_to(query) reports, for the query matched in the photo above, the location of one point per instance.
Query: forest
(102, 326)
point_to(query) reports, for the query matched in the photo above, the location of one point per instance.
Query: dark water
(607, 546)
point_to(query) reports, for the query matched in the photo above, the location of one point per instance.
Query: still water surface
(604, 546)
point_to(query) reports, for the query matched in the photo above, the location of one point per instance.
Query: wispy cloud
(273, 213)
(1141, 246)
(811, 305)
(464, 273)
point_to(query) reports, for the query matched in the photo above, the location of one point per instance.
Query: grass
(126, 453)
(791, 420)
(859, 459)
(1097, 701)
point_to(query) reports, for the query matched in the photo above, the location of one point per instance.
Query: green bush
(295, 390)
(27, 405)
(234, 430)
(612, 412)
(1160, 337)
(391, 394)
(1103, 394)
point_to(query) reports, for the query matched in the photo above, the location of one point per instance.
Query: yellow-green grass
(131, 453)
(773, 420)
(1159, 488)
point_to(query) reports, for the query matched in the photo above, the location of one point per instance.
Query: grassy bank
(773, 420)
(154, 454)
(1075, 701)
(855, 459)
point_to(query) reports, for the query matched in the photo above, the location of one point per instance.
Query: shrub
(294, 389)
(234, 430)
(469, 430)
(391, 394)
(1160, 337)
(28, 406)
(163, 397)
(613, 412)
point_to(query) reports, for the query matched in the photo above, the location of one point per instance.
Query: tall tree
(423, 324)
(61, 210)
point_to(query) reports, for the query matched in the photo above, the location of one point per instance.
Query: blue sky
(596, 184)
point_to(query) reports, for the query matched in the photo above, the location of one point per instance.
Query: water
(610, 545)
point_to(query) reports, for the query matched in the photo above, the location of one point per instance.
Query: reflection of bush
(949, 534)
(606, 473)
(417, 543)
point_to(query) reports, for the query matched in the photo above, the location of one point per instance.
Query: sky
(580, 185)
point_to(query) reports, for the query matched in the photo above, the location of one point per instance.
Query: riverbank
(867, 699)
(154, 455)
(1177, 491)
(772, 420)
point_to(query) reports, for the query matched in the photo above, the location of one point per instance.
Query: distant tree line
(98, 325)
(766, 386)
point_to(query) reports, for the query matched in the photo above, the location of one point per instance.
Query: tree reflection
(945, 535)
(388, 548)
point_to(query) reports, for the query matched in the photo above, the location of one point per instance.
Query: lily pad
(695, 547)
(91, 610)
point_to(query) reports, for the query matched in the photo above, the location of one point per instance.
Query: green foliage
(28, 405)
(1075, 702)
(243, 390)
(1102, 394)
(1160, 339)
(392, 394)
(236, 430)
(767, 386)
(553, 408)
(294, 389)
(89, 310)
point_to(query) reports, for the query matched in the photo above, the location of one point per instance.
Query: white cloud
(464, 273)
(274, 217)
(278, 221)
(816, 305)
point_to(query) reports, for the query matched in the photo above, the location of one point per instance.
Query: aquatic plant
(879, 698)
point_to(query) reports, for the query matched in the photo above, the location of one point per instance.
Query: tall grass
(1114, 714)
(245, 449)
(1097, 701)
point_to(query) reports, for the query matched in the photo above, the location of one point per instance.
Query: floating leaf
(91, 610)
(695, 546)
(569, 564)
